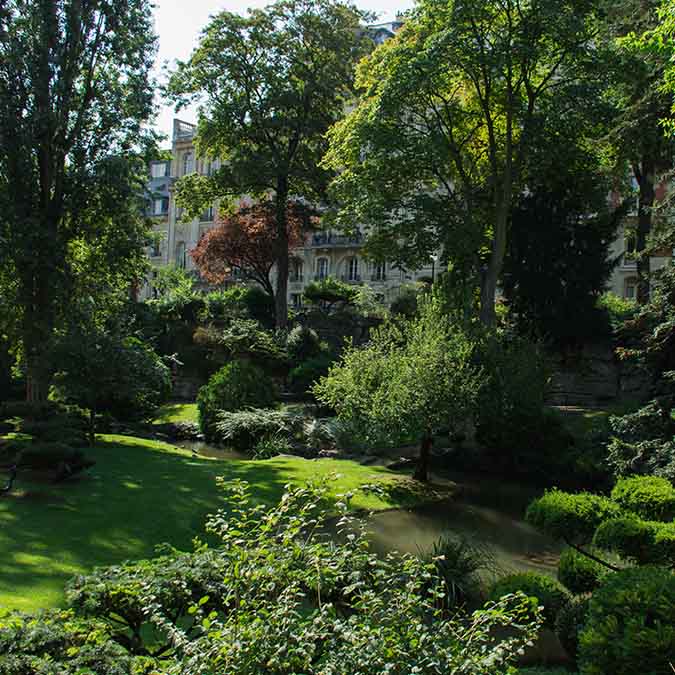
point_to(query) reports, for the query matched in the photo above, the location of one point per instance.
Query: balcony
(328, 240)
(351, 278)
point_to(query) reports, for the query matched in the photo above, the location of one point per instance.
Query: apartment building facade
(323, 254)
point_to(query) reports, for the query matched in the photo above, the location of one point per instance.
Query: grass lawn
(172, 413)
(139, 494)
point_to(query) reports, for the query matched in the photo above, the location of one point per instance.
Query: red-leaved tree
(246, 241)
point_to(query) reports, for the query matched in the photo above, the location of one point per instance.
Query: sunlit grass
(139, 494)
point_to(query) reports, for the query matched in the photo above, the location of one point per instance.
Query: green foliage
(578, 573)
(330, 292)
(271, 446)
(571, 517)
(411, 380)
(104, 370)
(643, 441)
(242, 429)
(512, 422)
(569, 623)
(174, 282)
(645, 542)
(618, 309)
(649, 497)
(630, 627)
(458, 563)
(405, 303)
(305, 375)
(245, 338)
(61, 643)
(236, 386)
(72, 161)
(549, 593)
(302, 343)
(279, 595)
(242, 302)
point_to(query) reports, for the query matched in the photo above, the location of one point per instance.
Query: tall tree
(433, 152)
(74, 93)
(641, 103)
(270, 84)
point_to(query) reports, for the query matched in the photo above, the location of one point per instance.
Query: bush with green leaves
(641, 541)
(242, 429)
(512, 422)
(569, 624)
(649, 497)
(458, 563)
(236, 386)
(579, 573)
(550, 594)
(330, 292)
(270, 446)
(276, 595)
(630, 625)
(247, 339)
(302, 343)
(59, 642)
(571, 517)
(413, 379)
(239, 302)
(305, 375)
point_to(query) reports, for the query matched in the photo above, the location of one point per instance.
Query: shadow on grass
(138, 495)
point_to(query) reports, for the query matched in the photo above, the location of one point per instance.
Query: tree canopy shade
(432, 154)
(74, 94)
(246, 241)
(270, 84)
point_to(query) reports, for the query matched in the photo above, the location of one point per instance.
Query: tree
(432, 155)
(246, 241)
(270, 84)
(641, 103)
(74, 94)
(413, 379)
(558, 258)
(104, 369)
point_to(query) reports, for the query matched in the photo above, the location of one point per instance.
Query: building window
(352, 270)
(629, 246)
(181, 261)
(322, 268)
(296, 300)
(296, 270)
(159, 169)
(188, 163)
(380, 272)
(207, 215)
(630, 288)
(160, 206)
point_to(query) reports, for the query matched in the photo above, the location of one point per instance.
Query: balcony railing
(351, 278)
(325, 239)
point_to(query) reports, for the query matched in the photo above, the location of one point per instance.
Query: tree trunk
(646, 176)
(280, 300)
(422, 470)
(488, 291)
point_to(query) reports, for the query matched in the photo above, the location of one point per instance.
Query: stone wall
(593, 376)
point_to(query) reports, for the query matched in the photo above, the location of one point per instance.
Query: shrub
(245, 338)
(236, 386)
(630, 626)
(30, 411)
(550, 594)
(57, 458)
(579, 573)
(271, 446)
(405, 304)
(570, 517)
(649, 497)
(303, 377)
(569, 623)
(457, 563)
(330, 292)
(645, 542)
(302, 343)
(242, 429)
